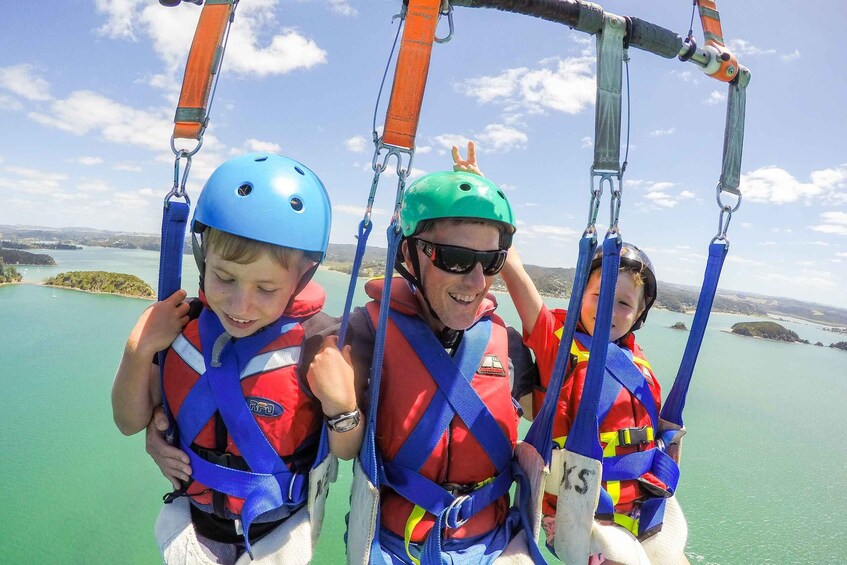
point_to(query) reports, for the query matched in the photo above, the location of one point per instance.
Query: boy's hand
(171, 461)
(468, 165)
(159, 325)
(330, 377)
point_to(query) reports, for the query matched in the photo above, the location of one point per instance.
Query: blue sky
(88, 90)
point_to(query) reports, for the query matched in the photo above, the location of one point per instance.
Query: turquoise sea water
(764, 476)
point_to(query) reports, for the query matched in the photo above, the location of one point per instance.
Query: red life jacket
(626, 413)
(286, 412)
(405, 393)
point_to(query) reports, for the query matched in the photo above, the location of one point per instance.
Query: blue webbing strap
(541, 430)
(584, 436)
(174, 220)
(362, 242)
(271, 483)
(675, 402)
(453, 377)
(368, 454)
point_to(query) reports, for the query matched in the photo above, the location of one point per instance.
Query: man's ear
(404, 257)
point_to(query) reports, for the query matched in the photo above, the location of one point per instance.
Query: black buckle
(459, 489)
(632, 436)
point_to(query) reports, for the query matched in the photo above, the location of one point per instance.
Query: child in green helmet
(249, 416)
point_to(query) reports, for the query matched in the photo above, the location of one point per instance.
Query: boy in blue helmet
(249, 414)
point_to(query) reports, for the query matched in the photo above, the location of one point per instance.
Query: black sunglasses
(461, 260)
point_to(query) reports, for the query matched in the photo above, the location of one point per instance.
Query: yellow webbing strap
(414, 519)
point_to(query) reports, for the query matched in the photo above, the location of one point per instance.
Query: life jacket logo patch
(264, 407)
(491, 365)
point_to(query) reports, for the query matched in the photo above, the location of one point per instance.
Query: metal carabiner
(449, 13)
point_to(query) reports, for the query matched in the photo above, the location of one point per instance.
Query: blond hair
(242, 250)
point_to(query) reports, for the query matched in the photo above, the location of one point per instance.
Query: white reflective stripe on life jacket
(272, 360)
(190, 354)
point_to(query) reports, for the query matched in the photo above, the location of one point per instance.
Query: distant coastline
(552, 282)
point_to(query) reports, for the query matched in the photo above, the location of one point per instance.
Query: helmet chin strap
(415, 280)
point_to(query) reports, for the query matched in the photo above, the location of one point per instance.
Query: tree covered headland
(102, 281)
(9, 274)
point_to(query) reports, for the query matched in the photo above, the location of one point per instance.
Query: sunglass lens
(456, 259)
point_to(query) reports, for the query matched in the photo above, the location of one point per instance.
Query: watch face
(344, 423)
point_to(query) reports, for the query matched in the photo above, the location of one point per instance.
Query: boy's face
(629, 300)
(247, 297)
(456, 297)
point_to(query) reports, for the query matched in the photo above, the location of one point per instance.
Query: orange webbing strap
(401, 122)
(713, 34)
(203, 63)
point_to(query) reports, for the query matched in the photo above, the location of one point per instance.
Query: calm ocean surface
(764, 470)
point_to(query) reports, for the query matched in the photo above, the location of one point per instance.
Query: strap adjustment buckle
(635, 436)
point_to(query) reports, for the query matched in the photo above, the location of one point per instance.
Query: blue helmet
(268, 198)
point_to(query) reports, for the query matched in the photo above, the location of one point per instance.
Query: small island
(767, 330)
(18, 257)
(679, 326)
(103, 282)
(842, 345)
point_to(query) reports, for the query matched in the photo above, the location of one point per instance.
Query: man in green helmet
(446, 424)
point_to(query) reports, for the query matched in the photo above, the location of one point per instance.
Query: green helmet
(455, 194)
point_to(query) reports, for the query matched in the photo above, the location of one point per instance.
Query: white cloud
(24, 180)
(84, 111)
(356, 144)
(121, 18)
(501, 138)
(555, 233)
(88, 161)
(21, 80)
(587, 142)
(257, 44)
(778, 186)
(661, 132)
(98, 186)
(359, 211)
(129, 167)
(564, 85)
(832, 222)
(263, 146)
(716, 97)
(423, 149)
(743, 48)
(448, 140)
(790, 57)
(342, 8)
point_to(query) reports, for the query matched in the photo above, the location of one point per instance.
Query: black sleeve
(524, 370)
(315, 329)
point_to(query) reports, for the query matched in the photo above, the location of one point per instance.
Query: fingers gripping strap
(401, 122)
(202, 66)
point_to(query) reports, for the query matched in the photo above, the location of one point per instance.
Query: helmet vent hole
(465, 186)
(245, 189)
(296, 204)
(500, 192)
(260, 159)
(299, 170)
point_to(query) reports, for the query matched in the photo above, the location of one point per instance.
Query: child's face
(247, 297)
(629, 299)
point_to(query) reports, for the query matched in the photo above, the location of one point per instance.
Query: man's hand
(171, 461)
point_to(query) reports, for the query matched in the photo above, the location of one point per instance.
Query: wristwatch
(344, 422)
